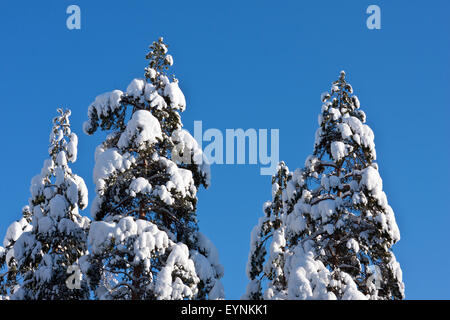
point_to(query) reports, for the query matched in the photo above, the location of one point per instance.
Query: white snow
(103, 106)
(176, 96)
(324, 96)
(166, 287)
(37, 186)
(181, 180)
(151, 72)
(295, 221)
(58, 206)
(186, 142)
(208, 249)
(278, 242)
(14, 231)
(203, 267)
(329, 228)
(140, 185)
(106, 103)
(334, 181)
(45, 224)
(350, 289)
(56, 196)
(147, 237)
(68, 226)
(72, 148)
(325, 182)
(108, 162)
(365, 134)
(341, 200)
(99, 234)
(80, 194)
(142, 130)
(146, 92)
(324, 209)
(353, 245)
(345, 130)
(164, 195)
(174, 93)
(338, 150)
(356, 101)
(136, 88)
(335, 113)
(191, 152)
(308, 278)
(392, 226)
(371, 180)
(169, 59)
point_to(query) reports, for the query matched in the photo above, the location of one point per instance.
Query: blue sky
(253, 64)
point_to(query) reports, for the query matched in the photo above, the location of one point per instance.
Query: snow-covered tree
(57, 236)
(9, 281)
(145, 242)
(3, 275)
(268, 227)
(329, 227)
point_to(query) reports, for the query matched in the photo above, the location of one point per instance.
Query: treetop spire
(328, 231)
(159, 61)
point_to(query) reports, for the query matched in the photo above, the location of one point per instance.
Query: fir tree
(145, 241)
(330, 224)
(57, 238)
(9, 280)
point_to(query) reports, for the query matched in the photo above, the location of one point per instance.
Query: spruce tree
(58, 235)
(145, 242)
(9, 279)
(329, 225)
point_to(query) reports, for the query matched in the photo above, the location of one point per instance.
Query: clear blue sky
(246, 64)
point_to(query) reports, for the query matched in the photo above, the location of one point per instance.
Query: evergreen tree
(3, 275)
(145, 243)
(330, 226)
(269, 227)
(9, 281)
(57, 238)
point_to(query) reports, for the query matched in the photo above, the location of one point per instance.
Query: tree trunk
(137, 270)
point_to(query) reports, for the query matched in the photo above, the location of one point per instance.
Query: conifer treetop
(329, 228)
(56, 238)
(147, 173)
(342, 129)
